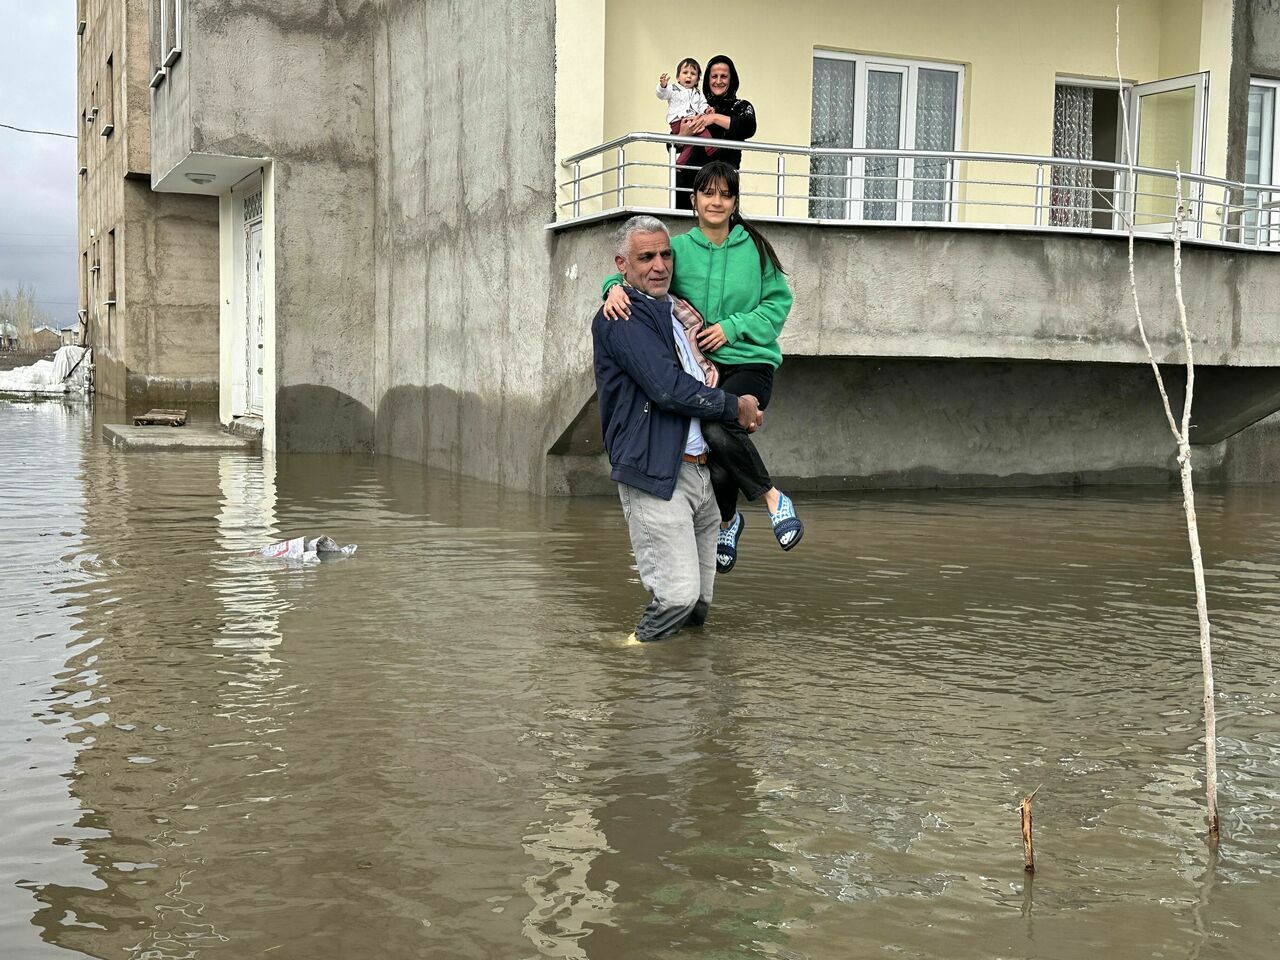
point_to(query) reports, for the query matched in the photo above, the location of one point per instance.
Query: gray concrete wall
(465, 339)
(842, 423)
(1032, 296)
(170, 264)
(292, 80)
(1255, 51)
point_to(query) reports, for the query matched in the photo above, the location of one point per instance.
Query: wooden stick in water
(1028, 847)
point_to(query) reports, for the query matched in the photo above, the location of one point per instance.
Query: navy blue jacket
(646, 398)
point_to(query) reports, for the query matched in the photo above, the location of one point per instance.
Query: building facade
(415, 202)
(148, 290)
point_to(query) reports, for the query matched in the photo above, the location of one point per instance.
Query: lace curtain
(884, 129)
(832, 127)
(1071, 191)
(935, 130)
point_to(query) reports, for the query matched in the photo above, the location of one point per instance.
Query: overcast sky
(38, 174)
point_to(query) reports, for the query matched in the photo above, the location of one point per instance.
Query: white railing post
(671, 174)
(1224, 214)
(848, 187)
(622, 174)
(1257, 230)
(577, 189)
(952, 184)
(782, 184)
(1039, 194)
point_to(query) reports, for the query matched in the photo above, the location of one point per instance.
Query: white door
(1167, 130)
(255, 355)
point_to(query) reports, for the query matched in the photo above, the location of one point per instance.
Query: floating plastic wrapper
(307, 549)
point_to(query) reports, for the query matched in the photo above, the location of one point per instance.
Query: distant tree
(24, 312)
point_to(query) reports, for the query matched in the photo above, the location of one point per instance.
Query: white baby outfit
(681, 101)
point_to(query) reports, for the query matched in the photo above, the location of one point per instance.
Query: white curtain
(935, 130)
(832, 127)
(1071, 193)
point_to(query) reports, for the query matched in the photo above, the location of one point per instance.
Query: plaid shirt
(691, 320)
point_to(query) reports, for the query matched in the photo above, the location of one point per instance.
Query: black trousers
(735, 463)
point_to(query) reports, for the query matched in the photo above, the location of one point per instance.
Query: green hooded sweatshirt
(726, 285)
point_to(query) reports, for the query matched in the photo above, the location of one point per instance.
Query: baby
(684, 99)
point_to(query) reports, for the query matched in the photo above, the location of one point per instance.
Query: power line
(42, 133)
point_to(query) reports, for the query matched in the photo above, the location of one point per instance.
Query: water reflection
(442, 747)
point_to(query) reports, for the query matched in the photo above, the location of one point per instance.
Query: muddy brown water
(442, 747)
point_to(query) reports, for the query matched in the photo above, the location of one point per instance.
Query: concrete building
(415, 202)
(148, 274)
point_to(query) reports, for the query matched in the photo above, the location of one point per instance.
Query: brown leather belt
(690, 458)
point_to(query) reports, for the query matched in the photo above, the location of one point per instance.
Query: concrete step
(127, 437)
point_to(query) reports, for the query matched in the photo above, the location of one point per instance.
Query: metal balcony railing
(637, 173)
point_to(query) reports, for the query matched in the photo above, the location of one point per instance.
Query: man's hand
(617, 305)
(750, 416)
(712, 338)
(662, 80)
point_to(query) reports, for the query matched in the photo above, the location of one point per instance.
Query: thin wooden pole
(1182, 436)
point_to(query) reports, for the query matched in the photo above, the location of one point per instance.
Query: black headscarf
(730, 95)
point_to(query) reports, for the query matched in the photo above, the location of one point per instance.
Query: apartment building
(415, 203)
(147, 274)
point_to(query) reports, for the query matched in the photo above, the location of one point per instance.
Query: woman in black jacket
(733, 119)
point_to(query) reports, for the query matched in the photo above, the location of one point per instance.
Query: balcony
(923, 189)
(975, 255)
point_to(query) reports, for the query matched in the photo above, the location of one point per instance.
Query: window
(1262, 159)
(887, 104)
(109, 105)
(172, 31)
(84, 282)
(109, 271)
(81, 23)
(166, 37)
(81, 150)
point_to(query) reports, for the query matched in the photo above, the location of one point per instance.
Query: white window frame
(1275, 126)
(1265, 230)
(910, 69)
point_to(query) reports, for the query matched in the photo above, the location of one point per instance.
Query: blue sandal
(727, 543)
(786, 525)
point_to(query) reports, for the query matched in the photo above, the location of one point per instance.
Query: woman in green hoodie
(729, 273)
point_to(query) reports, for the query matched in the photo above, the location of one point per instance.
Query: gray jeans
(674, 542)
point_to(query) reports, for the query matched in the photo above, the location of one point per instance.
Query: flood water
(443, 747)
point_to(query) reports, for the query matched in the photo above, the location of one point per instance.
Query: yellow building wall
(580, 87)
(1013, 52)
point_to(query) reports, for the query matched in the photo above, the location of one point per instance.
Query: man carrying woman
(731, 275)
